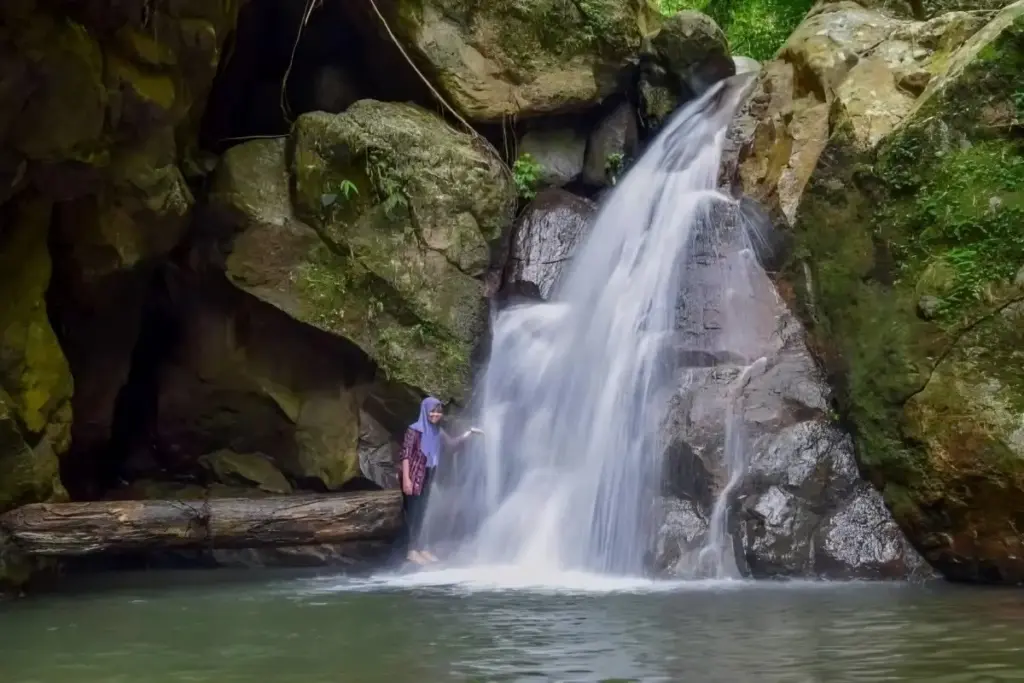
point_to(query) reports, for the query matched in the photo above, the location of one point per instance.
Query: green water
(219, 627)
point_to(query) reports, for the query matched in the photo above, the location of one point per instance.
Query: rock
(935, 399)
(493, 61)
(928, 307)
(660, 95)
(611, 143)
(428, 204)
(247, 378)
(1018, 279)
(745, 64)
(377, 453)
(687, 55)
(35, 383)
(679, 537)
(559, 153)
(102, 107)
(693, 49)
(801, 482)
(247, 469)
(545, 238)
(394, 219)
(842, 60)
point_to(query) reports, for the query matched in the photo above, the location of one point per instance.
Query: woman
(421, 452)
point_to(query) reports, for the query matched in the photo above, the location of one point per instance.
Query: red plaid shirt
(417, 460)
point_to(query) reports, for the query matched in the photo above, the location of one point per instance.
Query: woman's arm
(453, 443)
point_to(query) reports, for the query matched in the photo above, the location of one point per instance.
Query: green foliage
(526, 173)
(755, 28)
(614, 165)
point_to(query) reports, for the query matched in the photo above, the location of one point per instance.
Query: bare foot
(416, 557)
(429, 556)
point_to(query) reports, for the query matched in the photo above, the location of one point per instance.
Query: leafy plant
(346, 188)
(614, 165)
(526, 173)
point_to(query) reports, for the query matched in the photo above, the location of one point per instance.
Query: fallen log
(133, 525)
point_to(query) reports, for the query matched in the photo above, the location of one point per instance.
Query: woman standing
(421, 452)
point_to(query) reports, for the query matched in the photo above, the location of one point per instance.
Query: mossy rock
(35, 383)
(244, 469)
(937, 405)
(407, 209)
(499, 58)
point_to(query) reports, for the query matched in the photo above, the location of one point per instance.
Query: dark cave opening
(325, 61)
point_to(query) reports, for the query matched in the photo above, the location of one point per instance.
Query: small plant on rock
(613, 166)
(526, 173)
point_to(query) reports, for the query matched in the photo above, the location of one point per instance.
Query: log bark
(120, 526)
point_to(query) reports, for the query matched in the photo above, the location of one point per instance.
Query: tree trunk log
(117, 526)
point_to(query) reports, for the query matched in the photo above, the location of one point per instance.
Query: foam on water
(511, 578)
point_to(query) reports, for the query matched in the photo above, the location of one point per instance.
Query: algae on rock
(937, 404)
(35, 383)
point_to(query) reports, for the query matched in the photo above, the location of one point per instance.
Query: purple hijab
(430, 441)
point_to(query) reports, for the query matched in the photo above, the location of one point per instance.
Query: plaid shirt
(417, 460)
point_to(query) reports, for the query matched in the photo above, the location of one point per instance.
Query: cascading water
(575, 390)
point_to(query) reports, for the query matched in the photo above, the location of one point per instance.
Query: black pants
(415, 507)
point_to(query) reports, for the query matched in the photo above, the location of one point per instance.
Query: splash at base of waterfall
(575, 391)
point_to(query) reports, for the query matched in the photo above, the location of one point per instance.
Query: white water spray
(575, 391)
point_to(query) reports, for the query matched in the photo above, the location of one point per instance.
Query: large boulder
(544, 240)
(908, 249)
(688, 54)
(245, 379)
(497, 59)
(391, 225)
(842, 56)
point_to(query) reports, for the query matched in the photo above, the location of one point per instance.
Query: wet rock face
(544, 240)
(801, 508)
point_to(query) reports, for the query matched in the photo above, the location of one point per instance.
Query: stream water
(432, 627)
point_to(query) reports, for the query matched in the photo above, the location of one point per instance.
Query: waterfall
(576, 389)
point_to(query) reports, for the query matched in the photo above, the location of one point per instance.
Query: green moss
(965, 212)
(934, 403)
